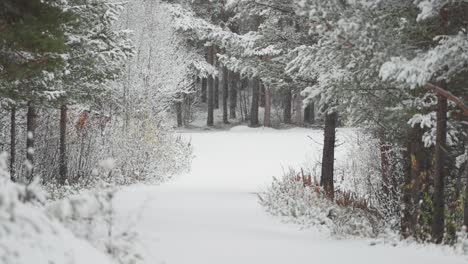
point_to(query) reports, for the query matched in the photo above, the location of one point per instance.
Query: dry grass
(342, 198)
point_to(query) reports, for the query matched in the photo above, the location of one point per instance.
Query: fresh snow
(212, 215)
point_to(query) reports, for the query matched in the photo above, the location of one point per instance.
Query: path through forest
(212, 216)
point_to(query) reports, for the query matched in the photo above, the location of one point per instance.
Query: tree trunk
(465, 206)
(465, 175)
(180, 119)
(309, 113)
(262, 95)
(439, 173)
(440, 156)
(187, 109)
(287, 107)
(216, 93)
(13, 143)
(254, 104)
(204, 84)
(328, 157)
(416, 168)
(216, 78)
(244, 94)
(225, 95)
(210, 98)
(63, 166)
(30, 129)
(234, 79)
(267, 116)
(298, 109)
(407, 221)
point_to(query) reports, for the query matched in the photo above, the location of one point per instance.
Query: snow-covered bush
(304, 202)
(461, 244)
(148, 151)
(361, 172)
(90, 215)
(145, 149)
(27, 235)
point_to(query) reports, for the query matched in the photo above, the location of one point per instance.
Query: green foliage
(453, 217)
(425, 215)
(31, 40)
(41, 33)
(61, 52)
(97, 51)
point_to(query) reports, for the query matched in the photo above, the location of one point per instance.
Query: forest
(132, 131)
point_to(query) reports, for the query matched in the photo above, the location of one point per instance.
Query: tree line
(396, 68)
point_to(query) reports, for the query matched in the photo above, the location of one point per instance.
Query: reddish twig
(448, 95)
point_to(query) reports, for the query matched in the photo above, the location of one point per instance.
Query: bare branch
(448, 95)
(278, 8)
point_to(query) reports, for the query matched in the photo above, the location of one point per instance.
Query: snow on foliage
(431, 8)
(361, 206)
(27, 235)
(90, 215)
(444, 61)
(163, 68)
(429, 121)
(147, 151)
(307, 204)
(97, 50)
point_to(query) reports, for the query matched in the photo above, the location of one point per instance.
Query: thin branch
(448, 95)
(278, 8)
(313, 140)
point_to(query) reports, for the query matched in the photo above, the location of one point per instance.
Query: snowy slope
(211, 215)
(28, 235)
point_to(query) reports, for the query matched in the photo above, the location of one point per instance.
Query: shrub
(91, 216)
(302, 200)
(27, 235)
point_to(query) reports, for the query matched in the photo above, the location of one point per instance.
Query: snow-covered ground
(212, 216)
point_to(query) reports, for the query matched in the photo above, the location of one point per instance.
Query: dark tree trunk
(234, 80)
(187, 109)
(13, 144)
(180, 119)
(298, 109)
(465, 206)
(216, 93)
(328, 157)
(267, 116)
(210, 98)
(287, 106)
(465, 176)
(439, 173)
(204, 84)
(416, 168)
(243, 96)
(216, 78)
(63, 166)
(225, 95)
(30, 129)
(254, 104)
(408, 221)
(440, 156)
(309, 113)
(262, 94)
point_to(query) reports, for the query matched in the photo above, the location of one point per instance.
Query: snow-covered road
(211, 215)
